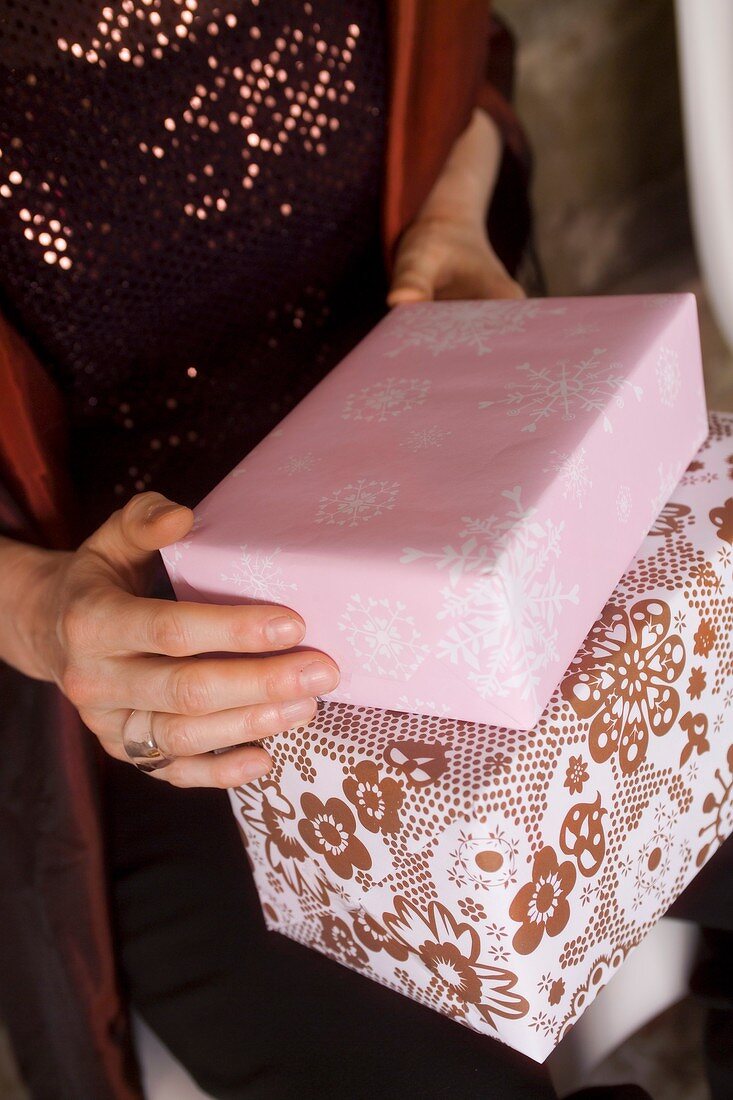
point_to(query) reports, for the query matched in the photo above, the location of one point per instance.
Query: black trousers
(252, 1014)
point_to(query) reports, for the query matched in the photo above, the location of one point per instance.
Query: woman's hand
(446, 252)
(444, 257)
(81, 622)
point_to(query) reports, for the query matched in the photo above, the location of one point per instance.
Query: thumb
(148, 522)
(414, 277)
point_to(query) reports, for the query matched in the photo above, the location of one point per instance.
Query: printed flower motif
(337, 938)
(623, 681)
(576, 775)
(268, 812)
(329, 830)
(375, 937)
(541, 905)
(696, 728)
(377, 801)
(450, 951)
(557, 992)
(696, 682)
(705, 637)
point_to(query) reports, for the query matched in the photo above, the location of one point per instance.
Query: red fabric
(58, 993)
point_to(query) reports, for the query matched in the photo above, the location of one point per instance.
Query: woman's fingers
(184, 735)
(200, 686)
(137, 625)
(229, 769)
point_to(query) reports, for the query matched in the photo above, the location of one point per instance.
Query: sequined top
(188, 219)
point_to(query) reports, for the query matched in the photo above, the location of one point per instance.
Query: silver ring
(140, 745)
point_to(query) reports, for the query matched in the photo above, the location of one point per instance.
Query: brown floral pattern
(329, 830)
(450, 951)
(623, 681)
(557, 992)
(705, 636)
(576, 775)
(375, 937)
(696, 728)
(377, 800)
(541, 906)
(338, 938)
(696, 682)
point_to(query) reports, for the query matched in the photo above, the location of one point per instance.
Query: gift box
(501, 876)
(450, 508)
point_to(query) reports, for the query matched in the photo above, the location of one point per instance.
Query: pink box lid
(451, 507)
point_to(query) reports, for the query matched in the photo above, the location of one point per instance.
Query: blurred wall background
(597, 90)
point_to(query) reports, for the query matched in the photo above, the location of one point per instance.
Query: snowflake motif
(573, 471)
(470, 325)
(384, 635)
(669, 376)
(502, 598)
(298, 464)
(357, 503)
(386, 399)
(257, 575)
(668, 480)
(567, 389)
(623, 503)
(580, 330)
(426, 439)
(173, 555)
(424, 706)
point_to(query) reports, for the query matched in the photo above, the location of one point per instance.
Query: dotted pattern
(189, 200)
(493, 831)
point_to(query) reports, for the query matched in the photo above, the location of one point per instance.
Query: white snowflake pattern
(502, 599)
(580, 329)
(426, 439)
(298, 464)
(623, 503)
(573, 471)
(669, 477)
(357, 503)
(566, 389)
(669, 376)
(384, 635)
(386, 399)
(174, 554)
(256, 574)
(469, 325)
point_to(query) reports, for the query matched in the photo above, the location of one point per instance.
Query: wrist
(28, 573)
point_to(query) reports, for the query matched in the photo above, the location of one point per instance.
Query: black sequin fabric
(189, 219)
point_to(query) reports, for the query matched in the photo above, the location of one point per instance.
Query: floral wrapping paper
(501, 876)
(446, 484)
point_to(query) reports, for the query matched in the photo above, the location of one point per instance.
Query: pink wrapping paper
(451, 507)
(499, 876)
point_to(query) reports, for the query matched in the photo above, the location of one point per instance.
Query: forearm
(464, 188)
(24, 570)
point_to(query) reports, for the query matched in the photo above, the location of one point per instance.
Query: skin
(80, 619)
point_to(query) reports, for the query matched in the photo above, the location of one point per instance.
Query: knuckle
(190, 691)
(177, 737)
(168, 633)
(271, 684)
(227, 773)
(75, 625)
(77, 685)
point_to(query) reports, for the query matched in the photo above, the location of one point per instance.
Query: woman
(190, 240)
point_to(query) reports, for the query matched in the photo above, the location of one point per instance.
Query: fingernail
(318, 677)
(284, 630)
(300, 710)
(155, 511)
